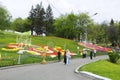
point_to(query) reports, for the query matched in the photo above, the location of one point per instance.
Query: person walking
(95, 52)
(91, 54)
(68, 56)
(84, 53)
(59, 55)
(64, 57)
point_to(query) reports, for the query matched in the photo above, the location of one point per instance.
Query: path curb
(91, 74)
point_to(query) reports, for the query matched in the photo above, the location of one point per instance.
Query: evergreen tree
(37, 18)
(49, 20)
(31, 19)
(112, 22)
(112, 32)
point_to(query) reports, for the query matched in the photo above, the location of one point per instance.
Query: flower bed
(52, 52)
(92, 46)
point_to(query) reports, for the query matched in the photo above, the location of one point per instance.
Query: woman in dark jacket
(65, 57)
(91, 54)
(59, 56)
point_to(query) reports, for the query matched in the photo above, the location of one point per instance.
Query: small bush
(113, 57)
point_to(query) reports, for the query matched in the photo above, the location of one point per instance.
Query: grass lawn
(103, 68)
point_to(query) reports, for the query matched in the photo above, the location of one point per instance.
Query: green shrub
(113, 57)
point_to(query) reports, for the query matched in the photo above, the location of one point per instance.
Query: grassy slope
(55, 41)
(6, 38)
(103, 68)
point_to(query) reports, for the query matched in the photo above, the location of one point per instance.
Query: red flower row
(92, 46)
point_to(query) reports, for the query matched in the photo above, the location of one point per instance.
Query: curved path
(50, 71)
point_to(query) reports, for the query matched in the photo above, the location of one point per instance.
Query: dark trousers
(90, 56)
(65, 60)
(84, 55)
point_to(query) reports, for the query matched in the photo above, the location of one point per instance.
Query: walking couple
(67, 57)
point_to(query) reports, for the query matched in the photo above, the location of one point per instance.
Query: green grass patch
(103, 68)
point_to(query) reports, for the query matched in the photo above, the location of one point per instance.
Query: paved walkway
(50, 71)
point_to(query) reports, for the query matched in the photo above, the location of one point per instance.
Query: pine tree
(112, 32)
(49, 20)
(37, 18)
(31, 19)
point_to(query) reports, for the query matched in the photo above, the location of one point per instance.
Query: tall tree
(119, 31)
(65, 26)
(21, 25)
(31, 19)
(112, 22)
(26, 24)
(101, 32)
(60, 25)
(83, 23)
(117, 27)
(71, 25)
(49, 20)
(4, 19)
(18, 25)
(112, 32)
(37, 18)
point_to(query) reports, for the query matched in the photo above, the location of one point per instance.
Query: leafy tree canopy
(71, 25)
(4, 18)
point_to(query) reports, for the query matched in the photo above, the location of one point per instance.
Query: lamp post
(80, 37)
(86, 33)
(80, 22)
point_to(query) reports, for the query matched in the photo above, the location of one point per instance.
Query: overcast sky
(106, 9)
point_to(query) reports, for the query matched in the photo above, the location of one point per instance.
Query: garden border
(91, 74)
